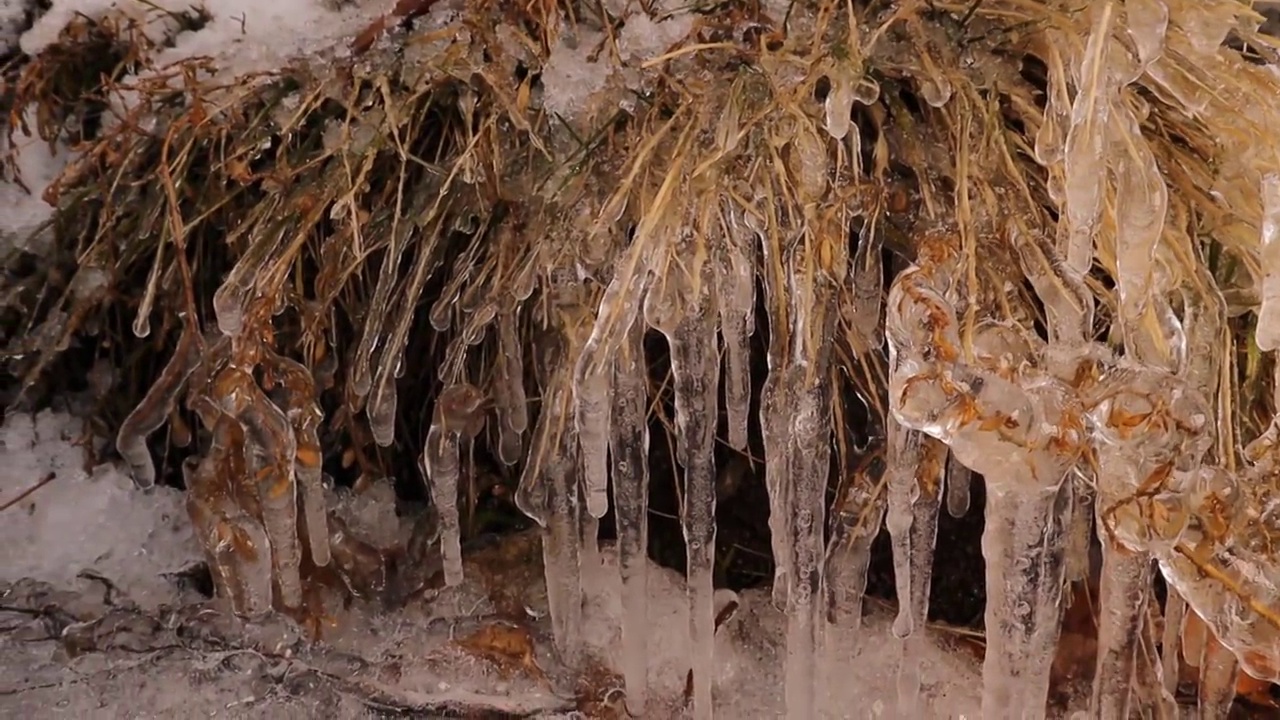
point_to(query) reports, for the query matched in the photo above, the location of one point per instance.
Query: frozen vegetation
(1095, 399)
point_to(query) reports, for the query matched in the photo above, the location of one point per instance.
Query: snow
(84, 519)
(242, 36)
(36, 166)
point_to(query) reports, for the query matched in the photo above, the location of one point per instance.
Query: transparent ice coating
(682, 307)
(629, 448)
(855, 522)
(736, 294)
(270, 452)
(156, 407)
(1024, 430)
(458, 417)
(549, 494)
(1268, 334)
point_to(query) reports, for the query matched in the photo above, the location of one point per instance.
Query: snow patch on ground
(84, 520)
(241, 35)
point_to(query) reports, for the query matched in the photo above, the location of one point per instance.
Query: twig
(39, 484)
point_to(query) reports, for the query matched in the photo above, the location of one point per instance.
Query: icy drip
(855, 522)
(1126, 584)
(925, 470)
(1268, 328)
(156, 407)
(381, 407)
(270, 450)
(959, 478)
(458, 416)
(684, 311)
(305, 415)
(1086, 148)
(808, 460)
(629, 446)
(509, 394)
(736, 293)
(1150, 431)
(548, 493)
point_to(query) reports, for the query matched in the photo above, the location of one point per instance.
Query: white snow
(242, 36)
(36, 165)
(82, 519)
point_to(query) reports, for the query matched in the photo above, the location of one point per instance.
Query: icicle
(1268, 326)
(629, 446)
(1141, 204)
(808, 462)
(1218, 673)
(905, 455)
(155, 408)
(924, 531)
(509, 395)
(306, 416)
(1126, 584)
(736, 293)
(1051, 137)
(1147, 21)
(232, 298)
(839, 103)
(685, 312)
(856, 518)
(1025, 462)
(548, 493)
(591, 417)
(458, 416)
(361, 376)
(1086, 143)
(1023, 545)
(774, 399)
(270, 452)
(381, 406)
(1175, 609)
(959, 479)
(1068, 304)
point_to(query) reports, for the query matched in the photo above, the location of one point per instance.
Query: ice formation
(1126, 436)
